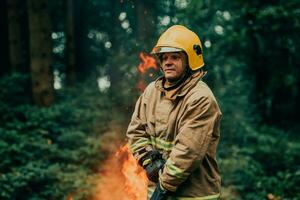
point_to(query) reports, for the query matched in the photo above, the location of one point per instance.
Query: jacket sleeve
(138, 139)
(196, 127)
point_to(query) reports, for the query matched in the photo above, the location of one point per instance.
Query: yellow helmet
(179, 38)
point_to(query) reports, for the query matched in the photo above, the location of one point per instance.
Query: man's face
(173, 65)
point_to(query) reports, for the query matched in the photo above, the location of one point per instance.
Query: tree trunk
(70, 46)
(113, 69)
(3, 40)
(145, 27)
(14, 30)
(40, 52)
(80, 8)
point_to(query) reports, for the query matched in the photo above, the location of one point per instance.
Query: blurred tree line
(68, 74)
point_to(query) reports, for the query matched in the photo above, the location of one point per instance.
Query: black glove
(159, 193)
(152, 162)
(152, 170)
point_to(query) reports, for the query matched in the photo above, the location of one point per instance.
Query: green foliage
(9, 91)
(267, 164)
(270, 32)
(49, 153)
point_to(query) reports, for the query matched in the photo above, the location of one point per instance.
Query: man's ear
(184, 58)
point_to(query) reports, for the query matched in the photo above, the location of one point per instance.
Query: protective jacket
(183, 125)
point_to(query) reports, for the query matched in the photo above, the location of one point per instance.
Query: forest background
(68, 85)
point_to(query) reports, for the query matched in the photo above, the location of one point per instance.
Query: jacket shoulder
(201, 90)
(201, 93)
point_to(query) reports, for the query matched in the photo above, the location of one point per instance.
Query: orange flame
(145, 72)
(147, 63)
(122, 178)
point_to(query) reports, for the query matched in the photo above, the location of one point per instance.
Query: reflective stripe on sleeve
(156, 142)
(175, 171)
(209, 197)
(139, 144)
(162, 144)
(150, 191)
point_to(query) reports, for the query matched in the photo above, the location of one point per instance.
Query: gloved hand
(152, 162)
(159, 193)
(152, 170)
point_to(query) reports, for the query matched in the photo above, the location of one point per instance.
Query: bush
(50, 153)
(267, 165)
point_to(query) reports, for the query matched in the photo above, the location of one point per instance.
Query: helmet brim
(158, 50)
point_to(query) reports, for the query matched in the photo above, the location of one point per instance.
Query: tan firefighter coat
(184, 126)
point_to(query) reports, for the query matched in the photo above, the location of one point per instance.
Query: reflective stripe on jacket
(184, 126)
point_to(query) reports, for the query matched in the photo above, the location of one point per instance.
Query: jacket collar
(182, 89)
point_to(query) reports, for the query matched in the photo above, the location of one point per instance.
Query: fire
(146, 69)
(122, 178)
(136, 179)
(148, 62)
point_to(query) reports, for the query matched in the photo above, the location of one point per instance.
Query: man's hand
(152, 170)
(159, 193)
(152, 163)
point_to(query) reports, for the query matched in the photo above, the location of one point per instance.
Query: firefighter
(175, 127)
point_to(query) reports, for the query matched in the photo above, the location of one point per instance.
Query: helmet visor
(157, 50)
